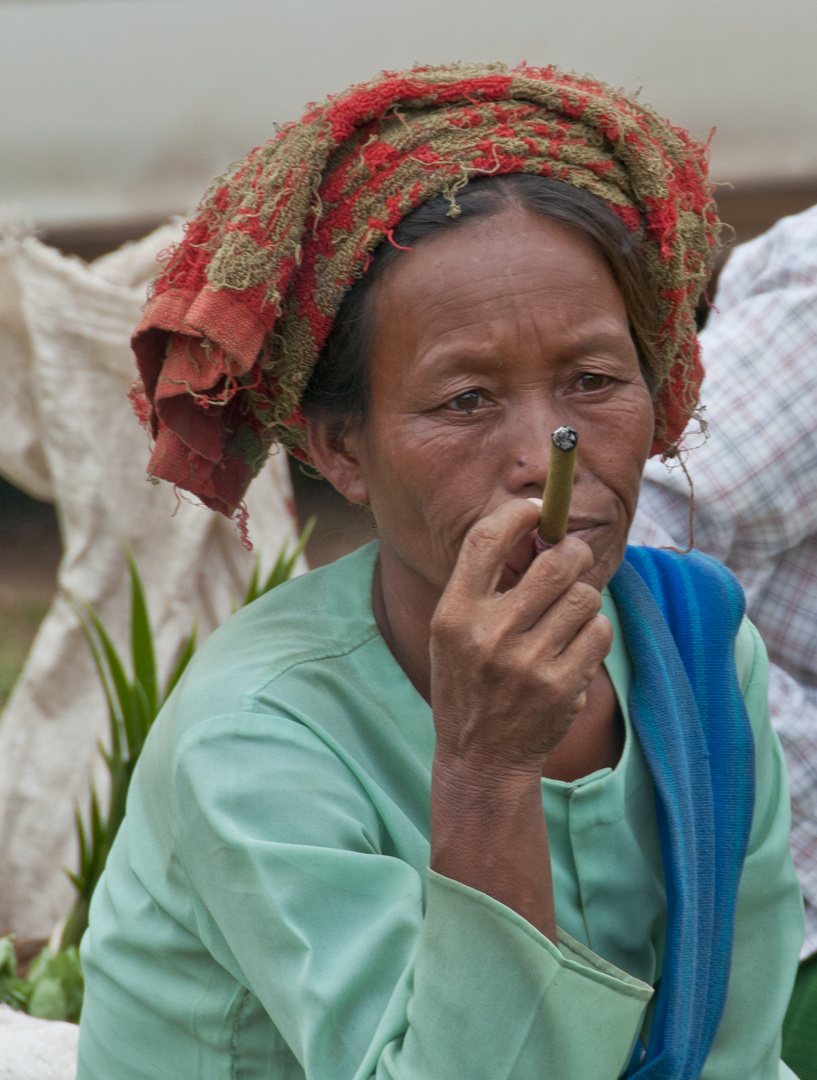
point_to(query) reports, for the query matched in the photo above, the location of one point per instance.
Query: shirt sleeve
(769, 915)
(366, 966)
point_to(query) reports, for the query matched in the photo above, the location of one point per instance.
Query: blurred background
(114, 114)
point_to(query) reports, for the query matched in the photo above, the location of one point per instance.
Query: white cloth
(755, 484)
(67, 433)
(32, 1049)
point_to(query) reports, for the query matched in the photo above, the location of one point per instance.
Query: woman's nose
(528, 449)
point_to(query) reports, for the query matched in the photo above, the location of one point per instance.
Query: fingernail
(536, 502)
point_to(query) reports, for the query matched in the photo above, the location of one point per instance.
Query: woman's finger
(487, 545)
(584, 653)
(551, 575)
(554, 629)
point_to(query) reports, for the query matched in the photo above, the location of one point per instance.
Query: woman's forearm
(488, 831)
(510, 671)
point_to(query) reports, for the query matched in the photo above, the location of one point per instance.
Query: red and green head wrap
(245, 303)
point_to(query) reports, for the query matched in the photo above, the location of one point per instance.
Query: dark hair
(338, 387)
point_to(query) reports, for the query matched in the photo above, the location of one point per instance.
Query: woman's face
(487, 338)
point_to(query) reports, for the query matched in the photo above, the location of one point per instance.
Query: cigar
(558, 488)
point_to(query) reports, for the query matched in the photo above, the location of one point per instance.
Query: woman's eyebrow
(604, 342)
(489, 356)
(461, 357)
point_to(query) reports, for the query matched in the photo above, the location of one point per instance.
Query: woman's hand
(510, 670)
(509, 673)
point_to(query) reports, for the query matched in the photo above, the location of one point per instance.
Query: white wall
(114, 108)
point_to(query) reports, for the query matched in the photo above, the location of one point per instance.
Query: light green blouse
(267, 911)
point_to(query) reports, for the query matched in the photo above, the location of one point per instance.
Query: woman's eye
(590, 381)
(467, 402)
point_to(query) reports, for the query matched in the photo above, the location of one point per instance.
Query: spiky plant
(133, 704)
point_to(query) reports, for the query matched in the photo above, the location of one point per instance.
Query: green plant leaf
(55, 985)
(132, 708)
(185, 656)
(120, 780)
(76, 924)
(252, 589)
(48, 1000)
(8, 958)
(37, 967)
(78, 882)
(131, 724)
(100, 842)
(144, 712)
(114, 714)
(115, 670)
(285, 563)
(15, 992)
(84, 857)
(144, 661)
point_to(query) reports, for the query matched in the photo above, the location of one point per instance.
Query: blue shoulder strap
(680, 615)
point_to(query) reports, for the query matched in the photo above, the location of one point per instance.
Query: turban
(244, 304)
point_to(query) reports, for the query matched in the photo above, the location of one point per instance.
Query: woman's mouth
(583, 530)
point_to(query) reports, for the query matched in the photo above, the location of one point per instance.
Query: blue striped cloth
(679, 615)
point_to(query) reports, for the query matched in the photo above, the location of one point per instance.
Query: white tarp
(67, 434)
(33, 1049)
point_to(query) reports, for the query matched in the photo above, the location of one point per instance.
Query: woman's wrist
(474, 776)
(488, 831)
(491, 802)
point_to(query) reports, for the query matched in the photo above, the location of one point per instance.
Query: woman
(356, 825)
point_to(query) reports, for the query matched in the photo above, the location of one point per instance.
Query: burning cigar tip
(558, 486)
(565, 438)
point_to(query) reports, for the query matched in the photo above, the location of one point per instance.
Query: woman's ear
(335, 451)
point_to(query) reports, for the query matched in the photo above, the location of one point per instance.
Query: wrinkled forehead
(517, 291)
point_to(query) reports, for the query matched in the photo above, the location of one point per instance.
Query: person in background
(755, 508)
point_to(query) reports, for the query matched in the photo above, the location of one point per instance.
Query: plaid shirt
(756, 488)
